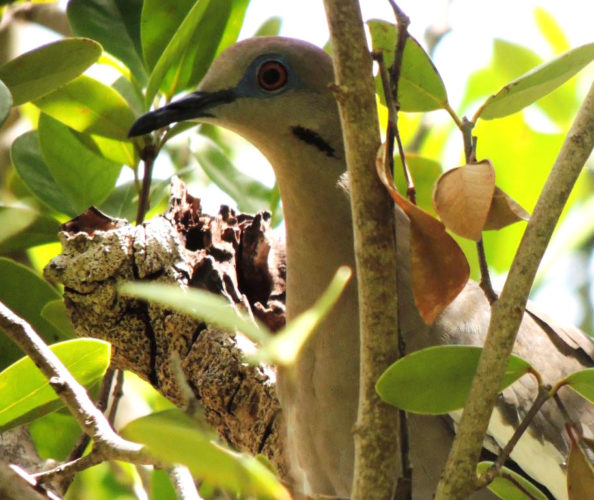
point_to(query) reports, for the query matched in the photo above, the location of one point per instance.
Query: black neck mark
(314, 139)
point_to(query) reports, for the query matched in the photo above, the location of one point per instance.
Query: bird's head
(273, 91)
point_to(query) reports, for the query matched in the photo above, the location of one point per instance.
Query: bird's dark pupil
(271, 76)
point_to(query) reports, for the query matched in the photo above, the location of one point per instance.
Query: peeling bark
(233, 255)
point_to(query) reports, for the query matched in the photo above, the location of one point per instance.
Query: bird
(274, 92)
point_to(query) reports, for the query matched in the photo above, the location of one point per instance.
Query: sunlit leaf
(55, 312)
(89, 106)
(26, 156)
(506, 489)
(174, 437)
(249, 194)
(270, 27)
(122, 202)
(425, 173)
(437, 380)
(5, 102)
(113, 23)
(503, 211)
(536, 84)
(22, 227)
(439, 269)
(582, 382)
(284, 346)
(551, 30)
(54, 435)
(13, 221)
(462, 198)
(580, 474)
(207, 29)
(158, 23)
(420, 87)
(25, 392)
(25, 293)
(83, 176)
(48, 67)
(199, 304)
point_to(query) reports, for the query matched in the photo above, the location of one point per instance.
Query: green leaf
(179, 45)
(22, 227)
(161, 487)
(26, 156)
(249, 194)
(285, 345)
(113, 23)
(281, 348)
(199, 304)
(88, 106)
(158, 23)
(55, 312)
(551, 30)
(437, 380)
(208, 28)
(172, 436)
(25, 293)
(420, 87)
(5, 102)
(83, 176)
(582, 382)
(131, 93)
(54, 435)
(25, 392)
(48, 67)
(536, 84)
(122, 202)
(506, 489)
(270, 27)
(425, 173)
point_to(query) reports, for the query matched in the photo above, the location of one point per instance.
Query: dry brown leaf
(580, 474)
(439, 268)
(462, 197)
(504, 211)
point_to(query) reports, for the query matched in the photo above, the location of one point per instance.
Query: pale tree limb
(108, 444)
(459, 478)
(376, 433)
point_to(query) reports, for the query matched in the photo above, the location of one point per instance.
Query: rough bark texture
(234, 255)
(376, 430)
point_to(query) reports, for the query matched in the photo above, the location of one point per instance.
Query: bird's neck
(318, 226)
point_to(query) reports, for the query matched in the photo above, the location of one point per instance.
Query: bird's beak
(194, 105)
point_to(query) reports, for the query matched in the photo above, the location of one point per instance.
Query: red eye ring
(272, 75)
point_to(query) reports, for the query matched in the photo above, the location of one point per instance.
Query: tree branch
(459, 476)
(376, 434)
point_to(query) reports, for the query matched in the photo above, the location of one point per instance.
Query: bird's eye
(272, 75)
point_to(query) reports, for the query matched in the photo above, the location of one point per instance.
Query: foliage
(76, 148)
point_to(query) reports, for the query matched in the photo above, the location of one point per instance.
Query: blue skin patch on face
(249, 86)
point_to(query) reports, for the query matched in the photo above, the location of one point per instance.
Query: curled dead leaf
(580, 474)
(439, 268)
(462, 198)
(504, 211)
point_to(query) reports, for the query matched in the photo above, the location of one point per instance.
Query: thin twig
(459, 476)
(485, 282)
(183, 483)
(469, 140)
(392, 81)
(518, 485)
(544, 394)
(149, 154)
(116, 396)
(91, 420)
